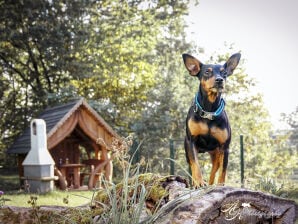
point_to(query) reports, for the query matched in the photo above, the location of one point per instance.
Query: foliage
(122, 203)
(38, 45)
(107, 51)
(292, 120)
(124, 57)
(268, 185)
(8, 180)
(133, 59)
(3, 199)
(284, 189)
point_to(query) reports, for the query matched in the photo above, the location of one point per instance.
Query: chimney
(39, 164)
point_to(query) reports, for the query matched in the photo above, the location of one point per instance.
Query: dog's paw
(199, 184)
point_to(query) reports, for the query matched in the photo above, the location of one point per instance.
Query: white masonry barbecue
(39, 164)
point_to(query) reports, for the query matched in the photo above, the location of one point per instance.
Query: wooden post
(242, 161)
(172, 156)
(135, 152)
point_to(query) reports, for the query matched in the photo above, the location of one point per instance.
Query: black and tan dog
(207, 125)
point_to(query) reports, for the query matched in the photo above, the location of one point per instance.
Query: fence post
(136, 154)
(172, 156)
(242, 161)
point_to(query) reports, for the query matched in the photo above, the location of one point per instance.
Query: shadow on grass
(9, 180)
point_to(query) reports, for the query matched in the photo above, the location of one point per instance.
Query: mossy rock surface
(156, 188)
(45, 214)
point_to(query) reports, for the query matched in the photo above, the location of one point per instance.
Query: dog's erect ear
(232, 63)
(192, 64)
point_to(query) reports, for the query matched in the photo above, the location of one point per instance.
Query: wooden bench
(91, 164)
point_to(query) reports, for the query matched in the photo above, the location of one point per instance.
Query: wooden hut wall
(63, 131)
(93, 129)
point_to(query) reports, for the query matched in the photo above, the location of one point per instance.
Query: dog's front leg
(192, 159)
(223, 166)
(215, 160)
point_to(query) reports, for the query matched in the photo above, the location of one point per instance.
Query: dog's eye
(208, 72)
(224, 73)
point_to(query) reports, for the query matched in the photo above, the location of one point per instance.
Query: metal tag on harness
(208, 116)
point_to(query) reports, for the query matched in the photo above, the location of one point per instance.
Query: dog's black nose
(219, 80)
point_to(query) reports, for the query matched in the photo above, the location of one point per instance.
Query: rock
(227, 205)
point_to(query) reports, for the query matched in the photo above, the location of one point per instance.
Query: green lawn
(9, 184)
(57, 198)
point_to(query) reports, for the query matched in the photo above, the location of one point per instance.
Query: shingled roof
(54, 118)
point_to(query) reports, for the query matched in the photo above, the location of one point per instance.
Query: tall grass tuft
(269, 185)
(124, 204)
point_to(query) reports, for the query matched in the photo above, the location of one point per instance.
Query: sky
(266, 34)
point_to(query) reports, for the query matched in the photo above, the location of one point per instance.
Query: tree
(107, 51)
(292, 120)
(38, 47)
(129, 42)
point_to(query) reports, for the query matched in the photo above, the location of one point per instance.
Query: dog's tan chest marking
(197, 128)
(201, 128)
(220, 134)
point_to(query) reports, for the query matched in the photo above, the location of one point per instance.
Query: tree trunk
(227, 205)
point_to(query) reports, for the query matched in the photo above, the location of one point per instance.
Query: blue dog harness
(206, 114)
